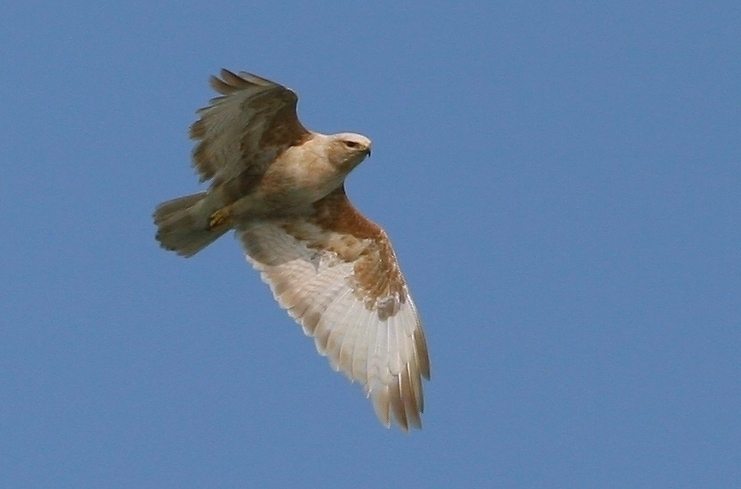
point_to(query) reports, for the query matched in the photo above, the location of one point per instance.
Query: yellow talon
(218, 218)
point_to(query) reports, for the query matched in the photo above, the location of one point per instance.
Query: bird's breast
(292, 183)
(300, 176)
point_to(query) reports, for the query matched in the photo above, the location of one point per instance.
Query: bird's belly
(292, 183)
(285, 196)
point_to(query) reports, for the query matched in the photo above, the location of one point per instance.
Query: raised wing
(245, 128)
(336, 274)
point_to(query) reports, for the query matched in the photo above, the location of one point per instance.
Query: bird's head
(348, 150)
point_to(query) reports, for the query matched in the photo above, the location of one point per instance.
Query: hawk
(280, 187)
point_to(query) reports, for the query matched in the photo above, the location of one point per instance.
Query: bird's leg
(220, 218)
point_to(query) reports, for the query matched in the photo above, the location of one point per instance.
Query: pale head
(347, 150)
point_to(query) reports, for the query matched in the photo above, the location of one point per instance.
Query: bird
(281, 188)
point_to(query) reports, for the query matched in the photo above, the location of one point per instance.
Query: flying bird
(280, 187)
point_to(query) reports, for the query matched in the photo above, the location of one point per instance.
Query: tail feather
(182, 225)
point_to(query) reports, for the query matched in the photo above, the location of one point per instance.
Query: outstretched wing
(336, 274)
(244, 129)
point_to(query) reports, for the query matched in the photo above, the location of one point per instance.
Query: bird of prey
(280, 187)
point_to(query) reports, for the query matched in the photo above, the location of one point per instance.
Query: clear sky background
(562, 184)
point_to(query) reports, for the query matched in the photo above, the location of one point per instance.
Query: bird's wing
(336, 274)
(245, 128)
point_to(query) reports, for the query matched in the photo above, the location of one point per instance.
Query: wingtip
(394, 409)
(226, 83)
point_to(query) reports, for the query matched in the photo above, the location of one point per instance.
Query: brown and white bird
(281, 188)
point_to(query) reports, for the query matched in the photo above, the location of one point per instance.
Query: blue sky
(561, 182)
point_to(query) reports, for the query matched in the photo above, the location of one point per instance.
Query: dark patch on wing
(377, 275)
(248, 126)
(241, 185)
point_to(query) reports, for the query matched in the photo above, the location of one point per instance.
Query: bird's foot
(219, 218)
